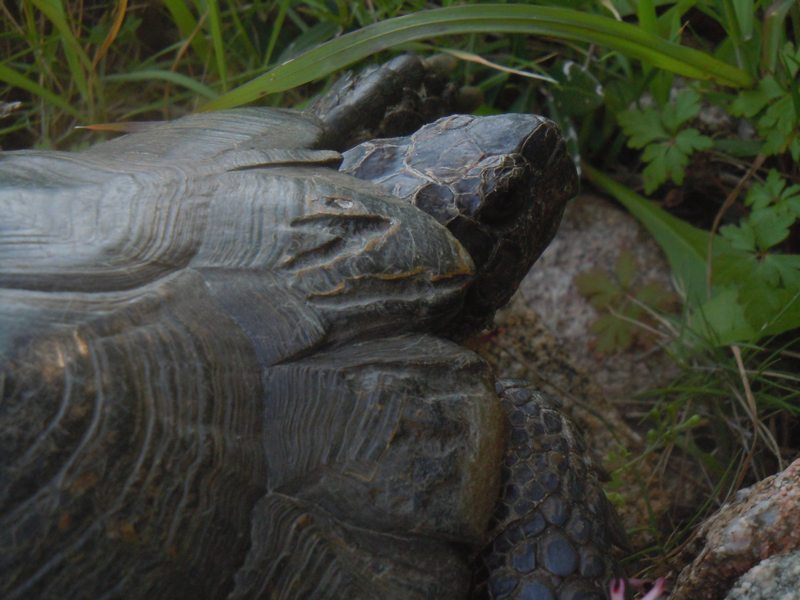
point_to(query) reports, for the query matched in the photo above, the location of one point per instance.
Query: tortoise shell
(224, 363)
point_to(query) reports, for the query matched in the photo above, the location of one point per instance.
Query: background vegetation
(685, 111)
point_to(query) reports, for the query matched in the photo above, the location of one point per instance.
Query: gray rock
(762, 521)
(544, 336)
(593, 234)
(777, 578)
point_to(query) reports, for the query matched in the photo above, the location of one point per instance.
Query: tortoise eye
(336, 202)
(503, 190)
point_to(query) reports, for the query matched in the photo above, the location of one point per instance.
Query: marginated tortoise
(229, 369)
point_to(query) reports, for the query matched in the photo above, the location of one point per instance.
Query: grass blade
(283, 6)
(78, 61)
(14, 79)
(646, 13)
(113, 32)
(187, 26)
(772, 39)
(214, 24)
(174, 78)
(547, 21)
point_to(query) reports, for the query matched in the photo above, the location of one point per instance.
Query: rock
(777, 578)
(593, 234)
(762, 521)
(544, 336)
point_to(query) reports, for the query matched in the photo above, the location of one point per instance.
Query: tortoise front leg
(553, 527)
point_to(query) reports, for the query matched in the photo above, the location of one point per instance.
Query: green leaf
(770, 311)
(187, 25)
(738, 147)
(668, 159)
(751, 102)
(14, 79)
(787, 315)
(643, 127)
(762, 195)
(770, 227)
(646, 13)
(77, 59)
(790, 57)
(559, 23)
(305, 42)
(787, 267)
(665, 162)
(752, 296)
(760, 303)
(277, 25)
(596, 286)
(774, 32)
(794, 149)
(734, 268)
(666, 148)
(657, 296)
(611, 334)
(790, 198)
(626, 269)
(765, 289)
(744, 12)
(685, 107)
(215, 28)
(779, 126)
(741, 236)
(722, 320)
(691, 140)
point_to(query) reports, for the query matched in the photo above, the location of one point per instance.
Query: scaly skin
(550, 533)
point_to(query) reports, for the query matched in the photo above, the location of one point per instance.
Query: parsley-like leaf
(642, 127)
(686, 107)
(611, 334)
(596, 287)
(666, 147)
(752, 102)
(762, 195)
(626, 269)
(779, 126)
(741, 237)
(770, 226)
(668, 159)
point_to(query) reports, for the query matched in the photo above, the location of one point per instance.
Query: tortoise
(230, 370)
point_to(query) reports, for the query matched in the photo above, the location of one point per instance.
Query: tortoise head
(498, 183)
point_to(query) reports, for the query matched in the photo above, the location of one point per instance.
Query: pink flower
(617, 588)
